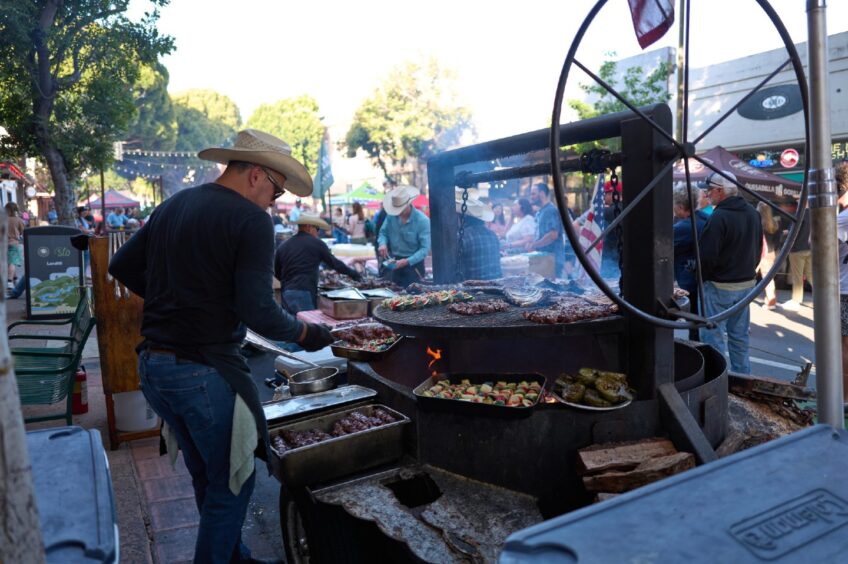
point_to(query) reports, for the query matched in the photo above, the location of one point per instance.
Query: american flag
(593, 225)
(651, 19)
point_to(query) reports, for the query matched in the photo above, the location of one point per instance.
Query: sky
(507, 55)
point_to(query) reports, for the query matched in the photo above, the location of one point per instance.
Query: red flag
(651, 19)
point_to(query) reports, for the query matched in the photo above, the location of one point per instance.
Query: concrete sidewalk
(156, 513)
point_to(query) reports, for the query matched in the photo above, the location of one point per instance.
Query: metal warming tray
(339, 456)
(343, 308)
(342, 351)
(311, 404)
(376, 296)
(469, 408)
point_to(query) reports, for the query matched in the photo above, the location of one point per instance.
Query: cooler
(73, 492)
(784, 501)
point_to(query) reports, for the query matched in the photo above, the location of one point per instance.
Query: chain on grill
(462, 211)
(616, 211)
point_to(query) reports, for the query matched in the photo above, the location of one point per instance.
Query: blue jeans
(736, 326)
(197, 403)
(298, 300)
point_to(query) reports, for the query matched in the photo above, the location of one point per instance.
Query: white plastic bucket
(133, 413)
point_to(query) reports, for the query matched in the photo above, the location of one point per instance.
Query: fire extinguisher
(79, 403)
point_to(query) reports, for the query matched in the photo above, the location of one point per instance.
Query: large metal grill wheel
(677, 149)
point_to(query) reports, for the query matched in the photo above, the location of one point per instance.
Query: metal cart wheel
(293, 531)
(685, 149)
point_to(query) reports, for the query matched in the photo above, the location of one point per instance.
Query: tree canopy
(67, 74)
(414, 114)
(297, 122)
(205, 118)
(155, 127)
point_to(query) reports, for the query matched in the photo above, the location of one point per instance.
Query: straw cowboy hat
(476, 208)
(258, 147)
(312, 219)
(395, 201)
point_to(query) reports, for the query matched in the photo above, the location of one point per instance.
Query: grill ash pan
(469, 408)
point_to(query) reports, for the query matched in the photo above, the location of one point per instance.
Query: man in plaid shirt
(481, 256)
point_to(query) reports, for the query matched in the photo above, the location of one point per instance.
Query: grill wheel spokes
(678, 149)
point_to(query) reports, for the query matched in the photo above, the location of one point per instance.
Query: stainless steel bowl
(313, 380)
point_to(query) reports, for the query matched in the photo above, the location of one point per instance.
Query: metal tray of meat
(470, 408)
(340, 456)
(362, 355)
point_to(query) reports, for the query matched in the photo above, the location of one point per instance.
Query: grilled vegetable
(513, 394)
(591, 397)
(586, 376)
(611, 389)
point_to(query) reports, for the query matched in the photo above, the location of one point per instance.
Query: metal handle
(268, 346)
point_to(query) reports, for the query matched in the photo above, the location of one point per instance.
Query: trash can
(73, 492)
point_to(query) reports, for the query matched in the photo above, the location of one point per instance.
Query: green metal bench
(65, 342)
(45, 376)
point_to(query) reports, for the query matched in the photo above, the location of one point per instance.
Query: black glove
(317, 337)
(356, 275)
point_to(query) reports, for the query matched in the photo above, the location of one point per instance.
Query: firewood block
(645, 473)
(621, 456)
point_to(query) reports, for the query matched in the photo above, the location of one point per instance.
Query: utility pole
(822, 200)
(102, 199)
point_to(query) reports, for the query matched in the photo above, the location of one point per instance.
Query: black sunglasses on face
(278, 190)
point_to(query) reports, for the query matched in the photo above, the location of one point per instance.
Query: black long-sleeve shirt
(297, 260)
(203, 264)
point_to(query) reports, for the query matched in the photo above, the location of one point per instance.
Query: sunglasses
(278, 189)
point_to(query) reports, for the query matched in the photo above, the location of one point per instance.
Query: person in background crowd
(498, 224)
(800, 259)
(610, 255)
(771, 235)
(338, 218)
(14, 248)
(481, 257)
(296, 211)
(731, 247)
(549, 231)
(82, 222)
(25, 218)
(199, 298)
(684, 248)
(116, 219)
(842, 236)
(704, 203)
(404, 236)
(52, 216)
(378, 220)
(296, 263)
(356, 225)
(524, 230)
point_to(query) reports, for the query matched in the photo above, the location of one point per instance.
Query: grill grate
(438, 322)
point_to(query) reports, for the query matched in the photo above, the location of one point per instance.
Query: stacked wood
(613, 468)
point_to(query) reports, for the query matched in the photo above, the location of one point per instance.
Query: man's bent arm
(129, 263)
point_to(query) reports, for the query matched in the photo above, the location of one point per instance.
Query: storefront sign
(53, 269)
(789, 158)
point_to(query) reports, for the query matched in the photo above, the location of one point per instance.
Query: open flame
(436, 356)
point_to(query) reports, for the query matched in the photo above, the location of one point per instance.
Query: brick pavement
(156, 514)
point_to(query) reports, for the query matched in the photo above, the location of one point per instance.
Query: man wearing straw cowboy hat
(296, 264)
(481, 256)
(203, 264)
(404, 236)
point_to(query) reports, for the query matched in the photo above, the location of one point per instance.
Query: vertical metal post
(648, 261)
(822, 200)
(443, 239)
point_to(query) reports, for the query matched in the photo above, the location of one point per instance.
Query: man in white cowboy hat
(481, 256)
(404, 236)
(297, 260)
(203, 264)
(731, 248)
